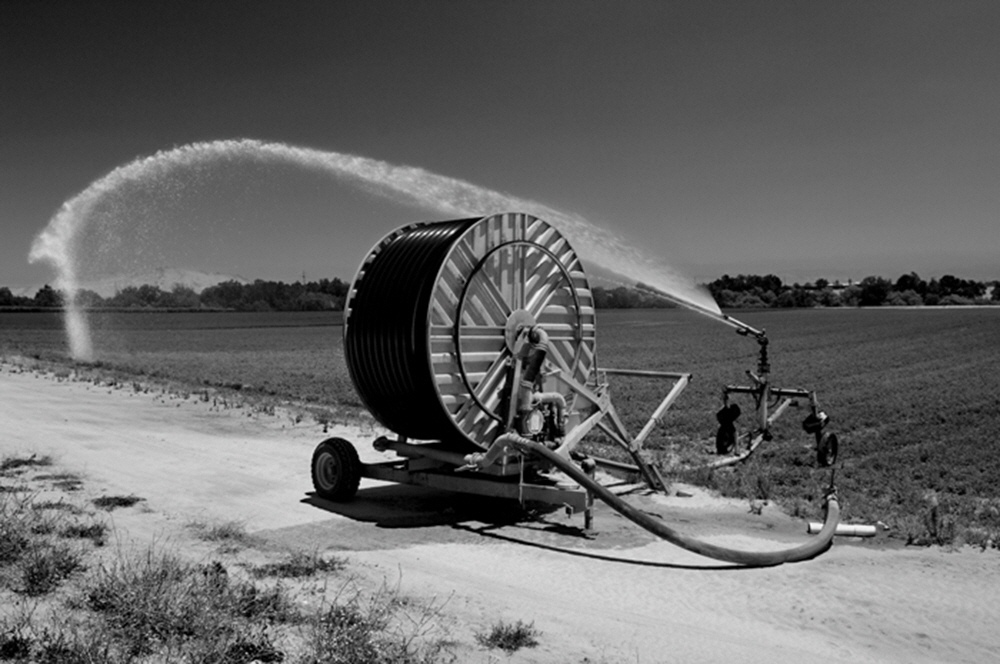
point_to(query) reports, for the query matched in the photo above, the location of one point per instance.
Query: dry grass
(509, 637)
(61, 602)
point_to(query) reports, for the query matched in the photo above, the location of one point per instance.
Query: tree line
(768, 291)
(739, 292)
(322, 295)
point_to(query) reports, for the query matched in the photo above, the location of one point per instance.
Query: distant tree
(873, 291)
(48, 297)
(619, 298)
(224, 295)
(827, 297)
(88, 299)
(995, 296)
(181, 297)
(786, 299)
(151, 296)
(125, 297)
(907, 298)
(315, 301)
(953, 299)
(822, 284)
(6, 297)
(966, 288)
(796, 297)
(910, 281)
(850, 296)
(748, 283)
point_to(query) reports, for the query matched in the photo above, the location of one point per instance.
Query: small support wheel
(336, 469)
(725, 439)
(826, 449)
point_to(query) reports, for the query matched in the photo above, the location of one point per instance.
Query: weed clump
(231, 535)
(299, 565)
(8, 464)
(95, 532)
(159, 602)
(110, 503)
(509, 637)
(32, 563)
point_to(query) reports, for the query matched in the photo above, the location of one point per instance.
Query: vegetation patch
(158, 600)
(110, 503)
(8, 464)
(95, 532)
(299, 565)
(228, 533)
(33, 561)
(509, 637)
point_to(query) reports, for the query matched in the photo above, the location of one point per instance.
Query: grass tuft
(8, 464)
(158, 600)
(114, 502)
(231, 535)
(45, 566)
(299, 565)
(14, 646)
(509, 637)
(95, 532)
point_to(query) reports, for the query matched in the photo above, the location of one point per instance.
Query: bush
(299, 565)
(46, 566)
(510, 637)
(159, 600)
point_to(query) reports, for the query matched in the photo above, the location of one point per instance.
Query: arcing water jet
(58, 243)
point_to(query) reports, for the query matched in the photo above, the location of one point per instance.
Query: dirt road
(614, 596)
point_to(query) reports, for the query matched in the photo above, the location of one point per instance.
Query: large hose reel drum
(431, 320)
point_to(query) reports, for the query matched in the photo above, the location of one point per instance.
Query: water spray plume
(713, 312)
(58, 242)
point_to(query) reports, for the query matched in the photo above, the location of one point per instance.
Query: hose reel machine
(474, 342)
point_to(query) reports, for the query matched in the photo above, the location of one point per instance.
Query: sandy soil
(615, 595)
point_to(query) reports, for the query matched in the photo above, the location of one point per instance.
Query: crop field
(913, 394)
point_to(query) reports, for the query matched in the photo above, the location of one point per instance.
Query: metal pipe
(646, 373)
(810, 549)
(845, 529)
(660, 410)
(418, 451)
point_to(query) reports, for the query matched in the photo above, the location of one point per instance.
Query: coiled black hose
(810, 549)
(386, 341)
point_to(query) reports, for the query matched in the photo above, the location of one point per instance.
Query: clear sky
(806, 139)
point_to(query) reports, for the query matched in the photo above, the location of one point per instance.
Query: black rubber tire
(336, 470)
(728, 414)
(826, 450)
(725, 439)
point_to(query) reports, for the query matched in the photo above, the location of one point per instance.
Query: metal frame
(762, 393)
(437, 466)
(504, 275)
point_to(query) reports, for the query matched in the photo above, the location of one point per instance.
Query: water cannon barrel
(738, 325)
(743, 328)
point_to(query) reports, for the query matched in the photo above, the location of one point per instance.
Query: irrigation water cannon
(765, 396)
(473, 342)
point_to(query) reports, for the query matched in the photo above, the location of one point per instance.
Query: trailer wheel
(826, 449)
(336, 469)
(725, 439)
